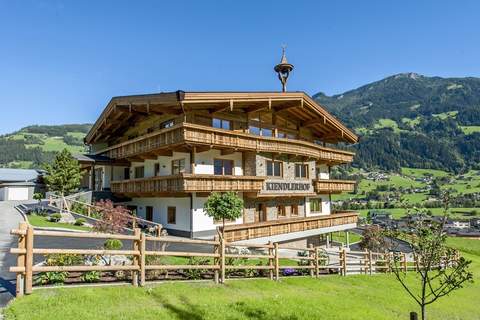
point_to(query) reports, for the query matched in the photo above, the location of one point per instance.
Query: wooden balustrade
(187, 183)
(198, 135)
(283, 226)
(333, 186)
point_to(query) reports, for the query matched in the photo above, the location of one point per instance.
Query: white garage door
(17, 193)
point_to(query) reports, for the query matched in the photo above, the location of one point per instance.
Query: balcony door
(261, 212)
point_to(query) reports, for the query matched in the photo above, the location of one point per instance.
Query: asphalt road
(9, 219)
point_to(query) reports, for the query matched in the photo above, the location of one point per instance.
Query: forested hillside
(409, 120)
(31, 146)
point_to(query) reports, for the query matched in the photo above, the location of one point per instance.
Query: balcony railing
(198, 135)
(333, 186)
(277, 227)
(186, 183)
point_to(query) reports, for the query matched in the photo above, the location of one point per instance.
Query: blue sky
(61, 61)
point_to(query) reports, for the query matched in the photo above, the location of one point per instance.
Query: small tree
(437, 267)
(224, 206)
(63, 176)
(374, 239)
(113, 219)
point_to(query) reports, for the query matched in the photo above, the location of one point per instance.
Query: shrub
(113, 219)
(196, 274)
(80, 222)
(91, 276)
(152, 261)
(58, 260)
(52, 277)
(113, 244)
(55, 217)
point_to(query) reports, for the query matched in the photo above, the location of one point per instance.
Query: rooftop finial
(283, 69)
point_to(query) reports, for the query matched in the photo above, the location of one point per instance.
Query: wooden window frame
(303, 166)
(319, 204)
(281, 211)
(223, 166)
(221, 123)
(179, 160)
(169, 220)
(135, 172)
(294, 210)
(273, 168)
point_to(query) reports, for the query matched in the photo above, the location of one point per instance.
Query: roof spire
(283, 69)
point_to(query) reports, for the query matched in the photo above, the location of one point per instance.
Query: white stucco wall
(326, 205)
(201, 221)
(323, 172)
(160, 207)
(204, 161)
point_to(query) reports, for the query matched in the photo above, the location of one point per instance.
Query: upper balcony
(333, 186)
(188, 134)
(184, 183)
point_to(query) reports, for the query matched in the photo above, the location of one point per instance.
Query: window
(281, 210)
(126, 173)
(132, 209)
(156, 169)
(267, 132)
(254, 130)
(149, 213)
(316, 205)
(139, 172)
(178, 166)
(221, 123)
(171, 215)
(222, 167)
(167, 124)
(285, 135)
(301, 170)
(274, 168)
(294, 209)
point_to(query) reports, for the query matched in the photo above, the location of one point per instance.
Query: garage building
(19, 184)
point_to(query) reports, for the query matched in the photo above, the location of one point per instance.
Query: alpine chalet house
(165, 153)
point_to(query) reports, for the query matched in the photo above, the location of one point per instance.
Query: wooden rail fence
(313, 260)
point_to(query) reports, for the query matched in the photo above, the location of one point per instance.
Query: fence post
(389, 261)
(405, 269)
(29, 260)
(136, 247)
(270, 260)
(216, 259)
(222, 259)
(277, 263)
(21, 261)
(143, 244)
(310, 262)
(317, 268)
(344, 261)
(370, 261)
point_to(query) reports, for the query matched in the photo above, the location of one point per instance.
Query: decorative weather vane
(283, 69)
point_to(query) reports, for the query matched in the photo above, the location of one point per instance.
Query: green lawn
(470, 129)
(39, 221)
(399, 212)
(341, 237)
(333, 297)
(422, 172)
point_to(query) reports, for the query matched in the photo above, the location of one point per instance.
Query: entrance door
(149, 213)
(261, 214)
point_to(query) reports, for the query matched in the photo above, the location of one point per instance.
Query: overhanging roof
(295, 105)
(18, 175)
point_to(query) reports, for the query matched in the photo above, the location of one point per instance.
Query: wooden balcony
(185, 183)
(333, 186)
(198, 135)
(277, 227)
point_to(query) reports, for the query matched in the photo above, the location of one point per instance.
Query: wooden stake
(311, 263)
(136, 247)
(270, 260)
(277, 264)
(29, 261)
(142, 259)
(317, 264)
(216, 260)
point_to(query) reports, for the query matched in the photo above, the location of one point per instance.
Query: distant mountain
(410, 120)
(31, 146)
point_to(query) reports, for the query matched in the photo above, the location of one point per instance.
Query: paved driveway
(9, 219)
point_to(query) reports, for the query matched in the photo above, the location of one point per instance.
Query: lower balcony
(297, 227)
(333, 186)
(185, 183)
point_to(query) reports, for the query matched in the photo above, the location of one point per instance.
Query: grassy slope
(330, 297)
(39, 221)
(399, 212)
